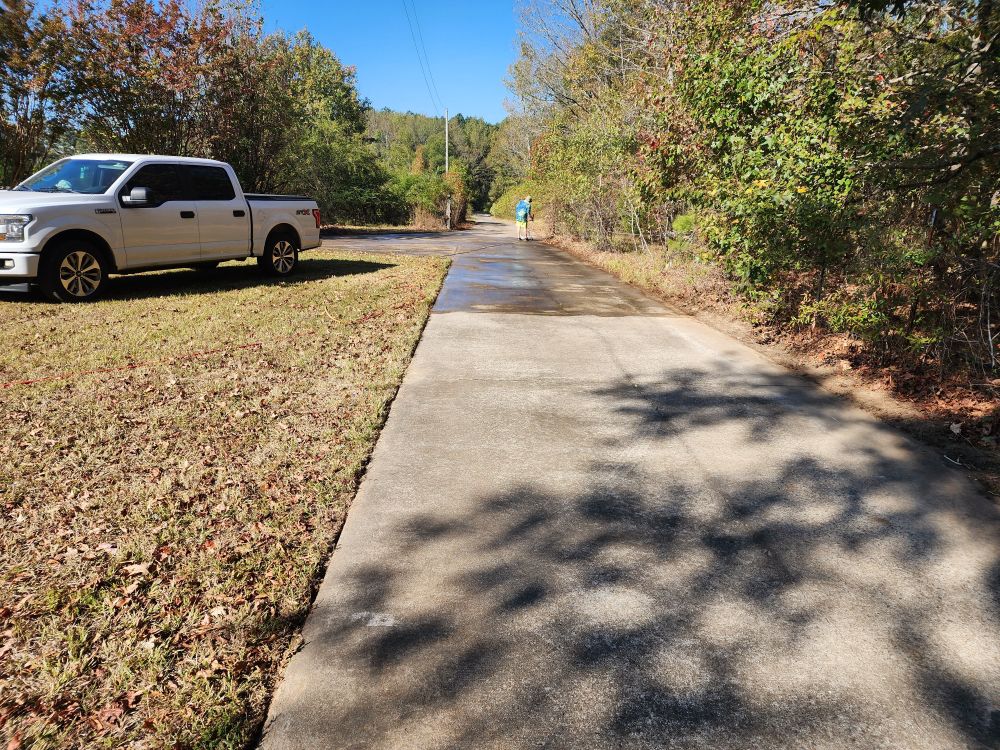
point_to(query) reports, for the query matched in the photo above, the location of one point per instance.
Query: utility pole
(448, 217)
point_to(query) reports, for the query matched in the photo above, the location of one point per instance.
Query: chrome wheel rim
(283, 256)
(80, 273)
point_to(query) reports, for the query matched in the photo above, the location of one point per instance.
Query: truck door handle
(239, 214)
(187, 214)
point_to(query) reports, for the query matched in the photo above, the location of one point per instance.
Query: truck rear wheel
(75, 271)
(281, 256)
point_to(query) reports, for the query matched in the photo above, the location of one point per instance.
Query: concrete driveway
(591, 522)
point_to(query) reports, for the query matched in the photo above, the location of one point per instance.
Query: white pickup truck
(69, 226)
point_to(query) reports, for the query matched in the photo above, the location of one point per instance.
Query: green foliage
(683, 223)
(256, 123)
(423, 197)
(842, 161)
(325, 87)
(843, 313)
(426, 191)
(505, 205)
(509, 156)
(349, 184)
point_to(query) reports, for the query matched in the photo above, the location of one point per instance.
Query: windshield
(91, 176)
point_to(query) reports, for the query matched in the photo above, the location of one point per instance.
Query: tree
(334, 161)
(257, 123)
(35, 110)
(472, 140)
(510, 153)
(141, 72)
(326, 87)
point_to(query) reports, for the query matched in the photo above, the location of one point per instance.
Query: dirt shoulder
(957, 419)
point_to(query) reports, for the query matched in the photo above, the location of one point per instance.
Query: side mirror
(138, 197)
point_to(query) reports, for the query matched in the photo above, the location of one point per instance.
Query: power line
(439, 102)
(427, 59)
(420, 60)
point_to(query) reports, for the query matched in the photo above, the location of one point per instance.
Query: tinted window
(204, 183)
(161, 179)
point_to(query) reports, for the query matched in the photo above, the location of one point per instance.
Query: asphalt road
(591, 522)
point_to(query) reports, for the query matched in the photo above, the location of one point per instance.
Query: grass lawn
(166, 519)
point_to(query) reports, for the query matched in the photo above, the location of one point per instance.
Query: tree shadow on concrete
(776, 596)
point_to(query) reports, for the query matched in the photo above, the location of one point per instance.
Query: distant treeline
(485, 158)
(840, 162)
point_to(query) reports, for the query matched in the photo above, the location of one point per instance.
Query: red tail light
(319, 222)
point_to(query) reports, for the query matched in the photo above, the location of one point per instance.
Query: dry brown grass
(164, 526)
(674, 277)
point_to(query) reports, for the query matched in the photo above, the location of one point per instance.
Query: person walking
(523, 215)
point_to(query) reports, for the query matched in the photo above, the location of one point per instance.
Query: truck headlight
(12, 227)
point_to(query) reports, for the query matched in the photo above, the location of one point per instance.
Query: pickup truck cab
(71, 225)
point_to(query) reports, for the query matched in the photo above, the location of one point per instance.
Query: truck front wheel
(75, 271)
(281, 256)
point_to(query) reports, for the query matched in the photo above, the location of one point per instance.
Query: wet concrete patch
(537, 280)
(494, 273)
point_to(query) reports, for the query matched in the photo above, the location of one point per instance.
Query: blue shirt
(522, 211)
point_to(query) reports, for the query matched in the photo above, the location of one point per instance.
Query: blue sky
(470, 44)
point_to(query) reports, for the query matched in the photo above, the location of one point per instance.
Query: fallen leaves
(163, 536)
(137, 569)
